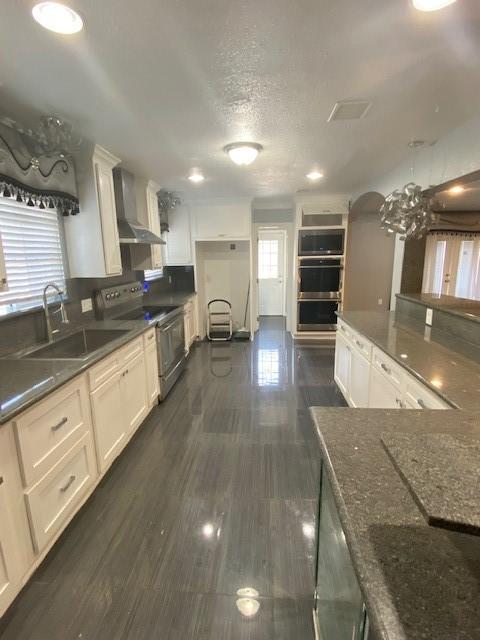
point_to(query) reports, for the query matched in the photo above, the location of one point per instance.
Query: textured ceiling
(165, 85)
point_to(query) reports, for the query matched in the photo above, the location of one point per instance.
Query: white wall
(223, 272)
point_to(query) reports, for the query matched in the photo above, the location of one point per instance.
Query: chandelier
(408, 211)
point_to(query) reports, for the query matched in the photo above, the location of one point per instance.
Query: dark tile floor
(216, 493)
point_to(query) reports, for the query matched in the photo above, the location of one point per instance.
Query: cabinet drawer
(388, 367)
(344, 329)
(361, 344)
(418, 396)
(103, 370)
(149, 338)
(48, 430)
(130, 350)
(53, 501)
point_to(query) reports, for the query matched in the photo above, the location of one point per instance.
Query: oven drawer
(53, 501)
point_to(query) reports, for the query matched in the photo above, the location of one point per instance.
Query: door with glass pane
(271, 273)
(452, 261)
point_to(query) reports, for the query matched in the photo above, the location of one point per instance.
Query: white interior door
(271, 273)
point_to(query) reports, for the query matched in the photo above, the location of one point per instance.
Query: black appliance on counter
(321, 242)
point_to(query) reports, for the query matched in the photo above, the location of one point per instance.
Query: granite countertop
(463, 307)
(23, 382)
(411, 343)
(418, 581)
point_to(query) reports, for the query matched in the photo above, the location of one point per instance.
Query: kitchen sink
(78, 345)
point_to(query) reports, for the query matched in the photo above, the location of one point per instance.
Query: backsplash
(22, 330)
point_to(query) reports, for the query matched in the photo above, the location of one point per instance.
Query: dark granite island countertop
(418, 582)
(432, 357)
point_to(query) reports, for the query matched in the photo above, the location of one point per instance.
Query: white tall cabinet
(178, 250)
(93, 245)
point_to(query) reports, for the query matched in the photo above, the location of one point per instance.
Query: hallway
(216, 493)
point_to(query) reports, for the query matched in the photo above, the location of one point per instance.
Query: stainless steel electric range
(125, 302)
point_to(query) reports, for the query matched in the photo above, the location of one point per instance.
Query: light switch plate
(87, 305)
(429, 317)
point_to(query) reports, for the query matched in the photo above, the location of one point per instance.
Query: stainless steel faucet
(61, 309)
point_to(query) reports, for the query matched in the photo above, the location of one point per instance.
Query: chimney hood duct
(130, 230)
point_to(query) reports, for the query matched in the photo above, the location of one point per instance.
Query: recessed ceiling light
(431, 5)
(243, 153)
(456, 189)
(57, 17)
(196, 177)
(314, 175)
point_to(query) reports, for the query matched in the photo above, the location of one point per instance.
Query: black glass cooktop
(146, 313)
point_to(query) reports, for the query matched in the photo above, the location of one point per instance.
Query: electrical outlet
(380, 301)
(429, 317)
(87, 305)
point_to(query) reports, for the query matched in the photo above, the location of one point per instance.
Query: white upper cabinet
(178, 250)
(93, 245)
(222, 220)
(3, 271)
(147, 256)
(154, 223)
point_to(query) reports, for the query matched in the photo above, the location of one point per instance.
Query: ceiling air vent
(349, 110)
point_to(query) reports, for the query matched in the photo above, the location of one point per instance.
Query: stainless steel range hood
(130, 229)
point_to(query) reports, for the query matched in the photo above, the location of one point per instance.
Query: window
(440, 250)
(33, 253)
(465, 273)
(267, 259)
(153, 274)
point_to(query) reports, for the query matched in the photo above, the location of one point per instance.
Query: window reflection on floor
(268, 367)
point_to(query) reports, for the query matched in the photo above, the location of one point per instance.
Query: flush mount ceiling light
(314, 175)
(196, 177)
(431, 5)
(243, 153)
(57, 17)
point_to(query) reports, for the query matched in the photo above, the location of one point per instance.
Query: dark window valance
(37, 181)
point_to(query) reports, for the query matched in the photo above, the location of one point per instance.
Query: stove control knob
(108, 296)
(132, 289)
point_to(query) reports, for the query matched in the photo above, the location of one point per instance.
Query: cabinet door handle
(56, 427)
(421, 403)
(385, 368)
(400, 403)
(359, 344)
(69, 483)
(1, 480)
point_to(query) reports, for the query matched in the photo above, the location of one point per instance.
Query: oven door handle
(320, 266)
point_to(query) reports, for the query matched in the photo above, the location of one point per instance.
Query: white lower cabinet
(359, 379)
(53, 500)
(368, 377)
(16, 550)
(133, 384)
(151, 368)
(52, 454)
(109, 421)
(9, 575)
(342, 365)
(383, 394)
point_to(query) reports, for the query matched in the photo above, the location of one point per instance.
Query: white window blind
(153, 274)
(32, 247)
